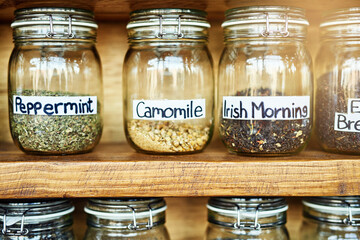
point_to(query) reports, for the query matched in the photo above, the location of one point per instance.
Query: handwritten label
(266, 107)
(350, 121)
(54, 106)
(169, 109)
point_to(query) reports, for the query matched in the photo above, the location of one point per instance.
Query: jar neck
(126, 214)
(247, 214)
(344, 211)
(341, 24)
(53, 24)
(265, 22)
(163, 43)
(35, 217)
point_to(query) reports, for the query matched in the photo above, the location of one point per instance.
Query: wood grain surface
(115, 170)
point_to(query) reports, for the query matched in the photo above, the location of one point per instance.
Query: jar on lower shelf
(328, 218)
(265, 81)
(36, 220)
(126, 218)
(247, 218)
(55, 82)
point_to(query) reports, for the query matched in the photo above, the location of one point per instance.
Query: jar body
(216, 232)
(337, 95)
(156, 233)
(168, 96)
(55, 96)
(265, 94)
(312, 229)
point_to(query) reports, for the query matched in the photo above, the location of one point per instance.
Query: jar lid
(248, 208)
(343, 210)
(266, 21)
(341, 17)
(24, 212)
(169, 22)
(53, 23)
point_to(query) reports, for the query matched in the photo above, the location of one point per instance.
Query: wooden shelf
(115, 170)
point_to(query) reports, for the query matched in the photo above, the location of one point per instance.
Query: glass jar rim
(334, 205)
(125, 208)
(264, 14)
(35, 211)
(343, 16)
(40, 16)
(248, 207)
(168, 17)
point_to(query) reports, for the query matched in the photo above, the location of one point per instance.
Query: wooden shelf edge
(115, 170)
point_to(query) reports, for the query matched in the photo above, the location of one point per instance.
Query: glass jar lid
(247, 213)
(337, 210)
(167, 23)
(19, 216)
(54, 23)
(127, 213)
(265, 21)
(341, 23)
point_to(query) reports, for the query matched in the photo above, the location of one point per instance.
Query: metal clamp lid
(347, 209)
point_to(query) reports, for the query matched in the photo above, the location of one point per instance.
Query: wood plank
(114, 170)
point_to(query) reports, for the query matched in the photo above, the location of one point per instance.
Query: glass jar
(327, 218)
(55, 81)
(247, 218)
(265, 81)
(36, 220)
(338, 86)
(126, 218)
(168, 82)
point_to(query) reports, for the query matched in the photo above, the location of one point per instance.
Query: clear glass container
(55, 82)
(337, 69)
(36, 220)
(265, 81)
(126, 218)
(247, 218)
(168, 82)
(327, 218)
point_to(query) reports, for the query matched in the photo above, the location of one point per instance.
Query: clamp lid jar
(168, 82)
(337, 68)
(55, 81)
(331, 218)
(265, 81)
(130, 218)
(36, 219)
(245, 218)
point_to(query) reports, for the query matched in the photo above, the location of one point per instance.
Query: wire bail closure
(256, 224)
(284, 32)
(52, 33)
(161, 34)
(14, 231)
(134, 225)
(350, 220)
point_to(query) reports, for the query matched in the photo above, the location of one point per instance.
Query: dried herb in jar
(61, 134)
(167, 136)
(264, 136)
(332, 98)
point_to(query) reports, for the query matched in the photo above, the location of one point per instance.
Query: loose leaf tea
(167, 136)
(63, 134)
(264, 136)
(331, 98)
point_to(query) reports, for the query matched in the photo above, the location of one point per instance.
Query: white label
(266, 107)
(350, 121)
(54, 106)
(168, 109)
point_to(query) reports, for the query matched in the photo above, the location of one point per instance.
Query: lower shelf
(115, 170)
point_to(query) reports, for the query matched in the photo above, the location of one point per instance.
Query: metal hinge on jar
(8, 221)
(284, 32)
(52, 33)
(161, 34)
